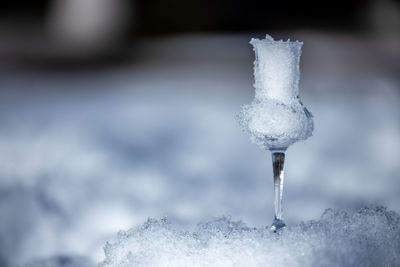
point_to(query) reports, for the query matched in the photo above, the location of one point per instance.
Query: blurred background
(113, 111)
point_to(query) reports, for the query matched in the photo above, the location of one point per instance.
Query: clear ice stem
(278, 161)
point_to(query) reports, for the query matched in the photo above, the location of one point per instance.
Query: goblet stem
(278, 160)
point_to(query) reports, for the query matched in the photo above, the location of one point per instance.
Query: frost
(366, 237)
(276, 118)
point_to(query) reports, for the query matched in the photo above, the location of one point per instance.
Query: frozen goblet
(276, 118)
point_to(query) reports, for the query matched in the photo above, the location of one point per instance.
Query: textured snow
(276, 118)
(275, 125)
(276, 69)
(366, 237)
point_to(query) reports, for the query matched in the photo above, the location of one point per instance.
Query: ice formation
(276, 118)
(366, 237)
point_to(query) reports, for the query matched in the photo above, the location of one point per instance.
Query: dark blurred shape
(163, 17)
(382, 18)
(171, 16)
(78, 31)
(87, 26)
(65, 31)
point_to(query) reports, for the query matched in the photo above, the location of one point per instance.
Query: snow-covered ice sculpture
(276, 118)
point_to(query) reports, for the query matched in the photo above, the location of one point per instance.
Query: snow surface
(367, 237)
(276, 118)
(84, 153)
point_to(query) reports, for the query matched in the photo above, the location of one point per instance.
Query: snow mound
(366, 237)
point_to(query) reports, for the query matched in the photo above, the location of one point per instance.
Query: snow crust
(276, 118)
(366, 237)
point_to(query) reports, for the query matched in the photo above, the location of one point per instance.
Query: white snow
(366, 237)
(276, 118)
(276, 69)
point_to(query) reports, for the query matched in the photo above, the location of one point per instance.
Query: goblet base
(277, 224)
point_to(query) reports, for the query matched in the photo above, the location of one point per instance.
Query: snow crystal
(366, 237)
(276, 118)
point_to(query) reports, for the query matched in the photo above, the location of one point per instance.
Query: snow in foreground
(367, 237)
